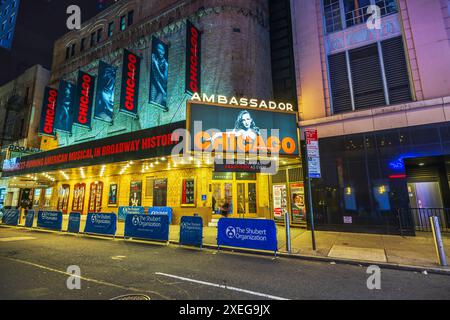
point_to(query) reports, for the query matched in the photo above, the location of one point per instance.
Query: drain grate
(132, 297)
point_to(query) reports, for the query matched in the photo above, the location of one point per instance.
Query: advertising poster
(106, 87)
(188, 192)
(279, 201)
(251, 130)
(135, 194)
(298, 208)
(112, 195)
(313, 154)
(159, 74)
(48, 113)
(131, 72)
(160, 192)
(64, 107)
(84, 100)
(193, 59)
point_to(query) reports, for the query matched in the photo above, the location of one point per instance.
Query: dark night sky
(39, 24)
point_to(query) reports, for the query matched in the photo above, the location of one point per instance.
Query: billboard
(104, 98)
(193, 59)
(159, 74)
(131, 71)
(84, 100)
(47, 125)
(64, 107)
(242, 130)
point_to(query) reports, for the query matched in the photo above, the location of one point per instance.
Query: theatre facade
(166, 106)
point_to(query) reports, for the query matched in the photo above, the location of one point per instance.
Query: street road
(33, 265)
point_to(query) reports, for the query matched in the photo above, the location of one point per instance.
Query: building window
(72, 50)
(332, 13)
(11, 20)
(82, 44)
(110, 29)
(92, 39)
(354, 11)
(370, 76)
(122, 23)
(4, 26)
(130, 17)
(99, 35)
(67, 53)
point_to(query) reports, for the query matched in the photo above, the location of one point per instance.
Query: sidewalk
(416, 251)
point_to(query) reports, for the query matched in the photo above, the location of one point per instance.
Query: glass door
(246, 199)
(222, 198)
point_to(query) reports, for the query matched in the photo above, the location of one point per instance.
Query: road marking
(10, 239)
(87, 279)
(222, 286)
(118, 257)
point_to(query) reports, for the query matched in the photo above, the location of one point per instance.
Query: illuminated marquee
(47, 124)
(243, 102)
(215, 128)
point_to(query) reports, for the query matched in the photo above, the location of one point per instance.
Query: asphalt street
(34, 264)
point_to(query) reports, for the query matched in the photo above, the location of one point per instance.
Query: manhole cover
(132, 297)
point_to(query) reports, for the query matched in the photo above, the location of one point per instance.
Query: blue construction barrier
(11, 217)
(101, 223)
(124, 211)
(247, 233)
(191, 231)
(29, 219)
(50, 220)
(74, 222)
(161, 210)
(149, 227)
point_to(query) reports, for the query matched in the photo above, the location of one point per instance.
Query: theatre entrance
(235, 194)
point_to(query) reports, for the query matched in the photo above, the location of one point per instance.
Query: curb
(385, 265)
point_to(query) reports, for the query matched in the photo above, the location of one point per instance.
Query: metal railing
(418, 219)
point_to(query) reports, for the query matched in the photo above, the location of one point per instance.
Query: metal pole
(311, 215)
(438, 241)
(287, 223)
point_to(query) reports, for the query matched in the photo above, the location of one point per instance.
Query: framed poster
(188, 194)
(112, 195)
(135, 194)
(78, 197)
(95, 197)
(63, 198)
(279, 201)
(160, 192)
(298, 209)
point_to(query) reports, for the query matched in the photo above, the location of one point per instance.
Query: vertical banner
(47, 125)
(159, 74)
(131, 71)
(193, 59)
(64, 107)
(84, 100)
(104, 99)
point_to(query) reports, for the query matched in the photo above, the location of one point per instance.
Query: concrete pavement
(33, 265)
(400, 251)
